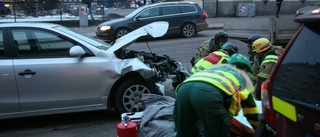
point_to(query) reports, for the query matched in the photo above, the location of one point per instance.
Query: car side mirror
(138, 18)
(76, 51)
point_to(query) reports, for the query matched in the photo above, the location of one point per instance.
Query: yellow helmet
(261, 45)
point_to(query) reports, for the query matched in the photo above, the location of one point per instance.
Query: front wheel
(129, 95)
(188, 30)
(121, 32)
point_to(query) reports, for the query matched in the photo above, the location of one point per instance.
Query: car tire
(188, 30)
(121, 32)
(129, 95)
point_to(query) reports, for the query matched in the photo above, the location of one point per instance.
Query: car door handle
(27, 71)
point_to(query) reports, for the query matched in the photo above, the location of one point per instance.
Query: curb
(216, 26)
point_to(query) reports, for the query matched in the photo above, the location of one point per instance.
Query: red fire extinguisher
(126, 128)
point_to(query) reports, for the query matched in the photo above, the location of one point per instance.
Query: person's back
(210, 46)
(216, 57)
(202, 51)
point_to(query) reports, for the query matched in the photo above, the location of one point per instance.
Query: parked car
(49, 69)
(185, 18)
(290, 96)
(308, 9)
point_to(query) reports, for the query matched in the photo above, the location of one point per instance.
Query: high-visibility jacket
(266, 66)
(217, 57)
(228, 80)
(263, 67)
(268, 59)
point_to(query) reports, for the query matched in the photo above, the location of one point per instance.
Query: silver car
(49, 69)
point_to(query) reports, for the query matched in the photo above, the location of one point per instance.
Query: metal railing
(62, 11)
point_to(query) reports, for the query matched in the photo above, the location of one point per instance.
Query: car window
(169, 10)
(1, 45)
(90, 40)
(152, 12)
(298, 76)
(316, 4)
(186, 9)
(37, 43)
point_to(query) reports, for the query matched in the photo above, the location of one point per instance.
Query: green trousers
(200, 100)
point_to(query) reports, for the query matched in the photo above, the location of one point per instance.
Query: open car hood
(155, 29)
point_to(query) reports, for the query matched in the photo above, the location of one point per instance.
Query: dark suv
(291, 94)
(185, 18)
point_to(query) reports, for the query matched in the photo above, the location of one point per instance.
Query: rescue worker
(266, 59)
(210, 46)
(250, 40)
(252, 58)
(214, 96)
(216, 57)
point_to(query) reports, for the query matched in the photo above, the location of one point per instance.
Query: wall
(228, 8)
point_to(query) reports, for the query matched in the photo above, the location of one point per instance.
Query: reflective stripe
(284, 108)
(227, 76)
(237, 105)
(261, 47)
(263, 75)
(255, 123)
(201, 68)
(246, 92)
(221, 54)
(196, 69)
(250, 110)
(225, 85)
(230, 79)
(219, 77)
(252, 77)
(270, 58)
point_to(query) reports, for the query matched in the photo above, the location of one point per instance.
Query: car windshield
(96, 43)
(133, 13)
(316, 4)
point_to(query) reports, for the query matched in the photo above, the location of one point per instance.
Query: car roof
(171, 3)
(29, 24)
(316, 3)
(313, 16)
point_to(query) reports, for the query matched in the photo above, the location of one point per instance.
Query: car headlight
(105, 28)
(316, 11)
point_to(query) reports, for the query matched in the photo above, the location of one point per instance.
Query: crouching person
(214, 96)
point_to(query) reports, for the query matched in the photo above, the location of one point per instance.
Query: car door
(9, 102)
(172, 14)
(47, 78)
(145, 17)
